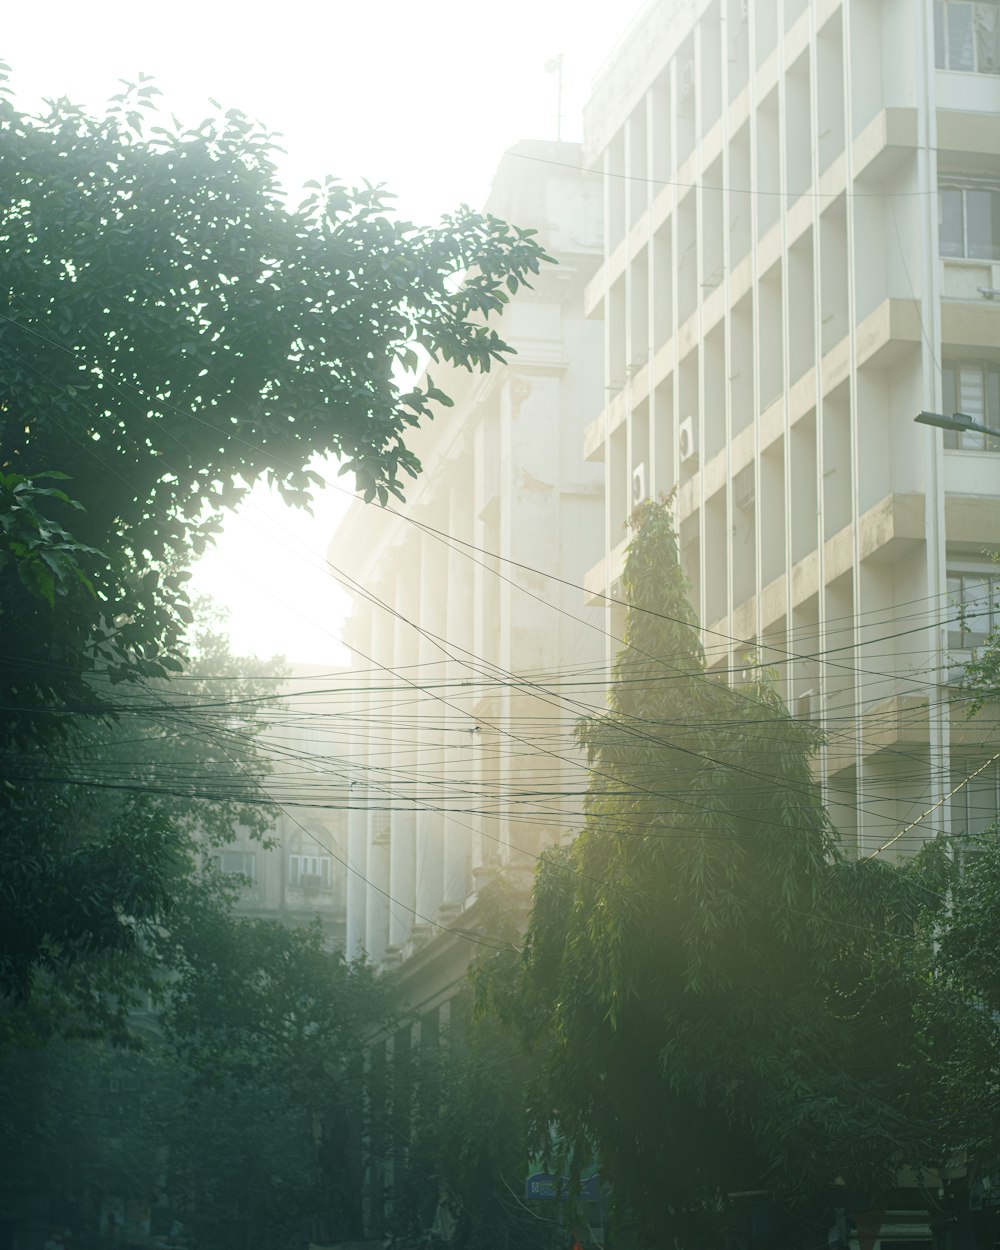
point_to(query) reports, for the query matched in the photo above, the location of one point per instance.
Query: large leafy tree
(172, 330)
(964, 921)
(720, 1002)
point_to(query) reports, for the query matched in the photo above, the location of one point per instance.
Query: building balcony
(975, 473)
(888, 139)
(971, 521)
(973, 280)
(973, 327)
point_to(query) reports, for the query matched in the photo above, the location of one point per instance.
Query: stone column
(430, 778)
(399, 786)
(461, 746)
(357, 824)
(378, 802)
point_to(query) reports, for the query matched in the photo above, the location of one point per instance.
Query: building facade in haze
(802, 253)
(469, 657)
(300, 875)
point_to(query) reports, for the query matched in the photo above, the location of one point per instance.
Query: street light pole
(957, 421)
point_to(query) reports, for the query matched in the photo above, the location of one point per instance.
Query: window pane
(979, 213)
(956, 638)
(993, 592)
(970, 391)
(987, 27)
(981, 804)
(993, 405)
(238, 862)
(995, 222)
(971, 402)
(960, 52)
(977, 610)
(952, 239)
(939, 45)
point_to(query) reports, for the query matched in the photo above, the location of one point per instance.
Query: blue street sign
(545, 1186)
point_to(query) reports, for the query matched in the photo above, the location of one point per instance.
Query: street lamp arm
(958, 421)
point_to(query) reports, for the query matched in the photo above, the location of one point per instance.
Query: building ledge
(973, 135)
(599, 581)
(901, 720)
(892, 528)
(614, 413)
(593, 438)
(971, 325)
(887, 334)
(884, 143)
(593, 297)
(971, 521)
(889, 530)
(663, 361)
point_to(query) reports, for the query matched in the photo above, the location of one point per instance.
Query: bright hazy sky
(424, 97)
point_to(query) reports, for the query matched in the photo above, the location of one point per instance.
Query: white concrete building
(462, 752)
(802, 252)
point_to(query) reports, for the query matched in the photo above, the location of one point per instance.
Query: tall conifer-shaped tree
(713, 991)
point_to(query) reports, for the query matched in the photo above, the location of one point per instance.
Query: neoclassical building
(471, 658)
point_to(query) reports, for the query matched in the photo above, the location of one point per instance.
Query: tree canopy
(106, 831)
(244, 1121)
(718, 999)
(174, 329)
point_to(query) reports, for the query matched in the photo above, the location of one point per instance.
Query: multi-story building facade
(299, 874)
(802, 252)
(463, 746)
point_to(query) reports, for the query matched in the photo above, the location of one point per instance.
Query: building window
(310, 872)
(974, 808)
(973, 609)
(967, 36)
(972, 387)
(237, 864)
(969, 220)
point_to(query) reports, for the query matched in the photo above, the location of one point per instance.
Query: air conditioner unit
(744, 489)
(807, 705)
(639, 485)
(687, 441)
(311, 882)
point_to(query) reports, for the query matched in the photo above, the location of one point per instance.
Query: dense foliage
(174, 330)
(720, 1002)
(107, 830)
(240, 1121)
(461, 1160)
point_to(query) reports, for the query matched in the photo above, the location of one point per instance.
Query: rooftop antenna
(554, 66)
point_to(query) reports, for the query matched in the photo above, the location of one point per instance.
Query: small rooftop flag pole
(555, 67)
